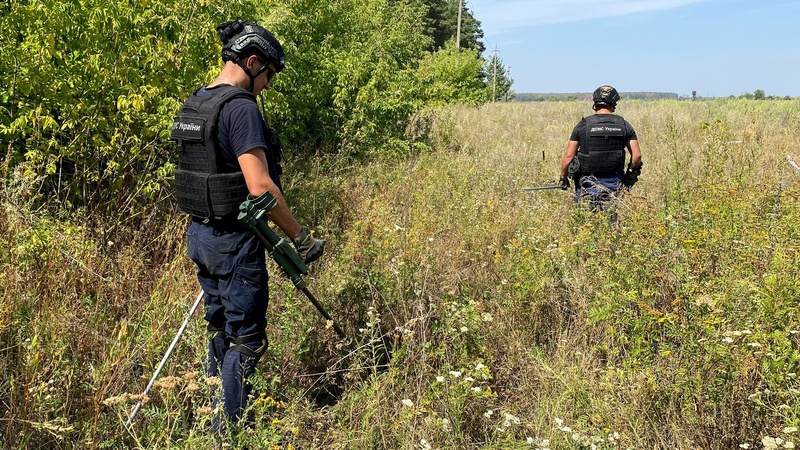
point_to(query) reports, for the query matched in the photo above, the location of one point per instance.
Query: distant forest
(537, 97)
(758, 94)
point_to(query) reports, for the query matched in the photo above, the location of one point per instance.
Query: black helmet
(605, 95)
(240, 38)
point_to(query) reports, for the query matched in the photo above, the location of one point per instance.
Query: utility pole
(458, 27)
(494, 77)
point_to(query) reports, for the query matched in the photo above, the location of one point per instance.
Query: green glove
(308, 247)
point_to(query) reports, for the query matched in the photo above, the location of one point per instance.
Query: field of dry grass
(512, 319)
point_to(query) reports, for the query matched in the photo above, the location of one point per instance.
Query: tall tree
(498, 80)
(442, 25)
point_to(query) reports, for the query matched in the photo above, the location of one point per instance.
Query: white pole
(164, 359)
(458, 27)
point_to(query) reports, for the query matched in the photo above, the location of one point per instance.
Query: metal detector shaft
(542, 188)
(166, 355)
(322, 311)
(252, 214)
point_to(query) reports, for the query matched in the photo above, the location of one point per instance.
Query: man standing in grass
(596, 149)
(227, 151)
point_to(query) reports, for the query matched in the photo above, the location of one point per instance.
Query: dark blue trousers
(597, 192)
(231, 269)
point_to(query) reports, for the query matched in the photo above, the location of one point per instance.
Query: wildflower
(192, 387)
(566, 429)
(463, 329)
(205, 411)
(469, 379)
(753, 344)
(745, 445)
(510, 419)
(407, 402)
(788, 444)
(145, 399)
(114, 401)
(446, 425)
(486, 317)
(789, 430)
(455, 373)
(424, 444)
(479, 367)
(167, 383)
(769, 442)
(488, 413)
(214, 381)
(440, 379)
(558, 422)
(727, 340)
(189, 375)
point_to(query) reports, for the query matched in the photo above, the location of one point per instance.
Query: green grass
(513, 319)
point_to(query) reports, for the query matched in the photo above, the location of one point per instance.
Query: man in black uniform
(598, 145)
(227, 151)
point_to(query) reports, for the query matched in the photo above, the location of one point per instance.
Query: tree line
(89, 88)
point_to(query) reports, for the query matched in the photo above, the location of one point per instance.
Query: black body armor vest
(205, 188)
(603, 153)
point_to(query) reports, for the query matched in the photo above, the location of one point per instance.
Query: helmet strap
(250, 74)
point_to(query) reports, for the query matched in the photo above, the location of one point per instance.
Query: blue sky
(715, 47)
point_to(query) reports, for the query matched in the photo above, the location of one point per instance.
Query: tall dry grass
(513, 319)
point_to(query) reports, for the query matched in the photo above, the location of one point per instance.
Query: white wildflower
(407, 402)
(510, 419)
(455, 373)
(440, 379)
(789, 430)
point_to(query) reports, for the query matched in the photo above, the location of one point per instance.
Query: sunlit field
(481, 315)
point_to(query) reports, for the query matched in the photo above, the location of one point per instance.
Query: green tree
(442, 25)
(450, 76)
(88, 90)
(759, 94)
(498, 80)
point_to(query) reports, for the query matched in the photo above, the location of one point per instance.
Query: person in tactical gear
(227, 151)
(595, 155)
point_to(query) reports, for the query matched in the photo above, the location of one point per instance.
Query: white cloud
(498, 16)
